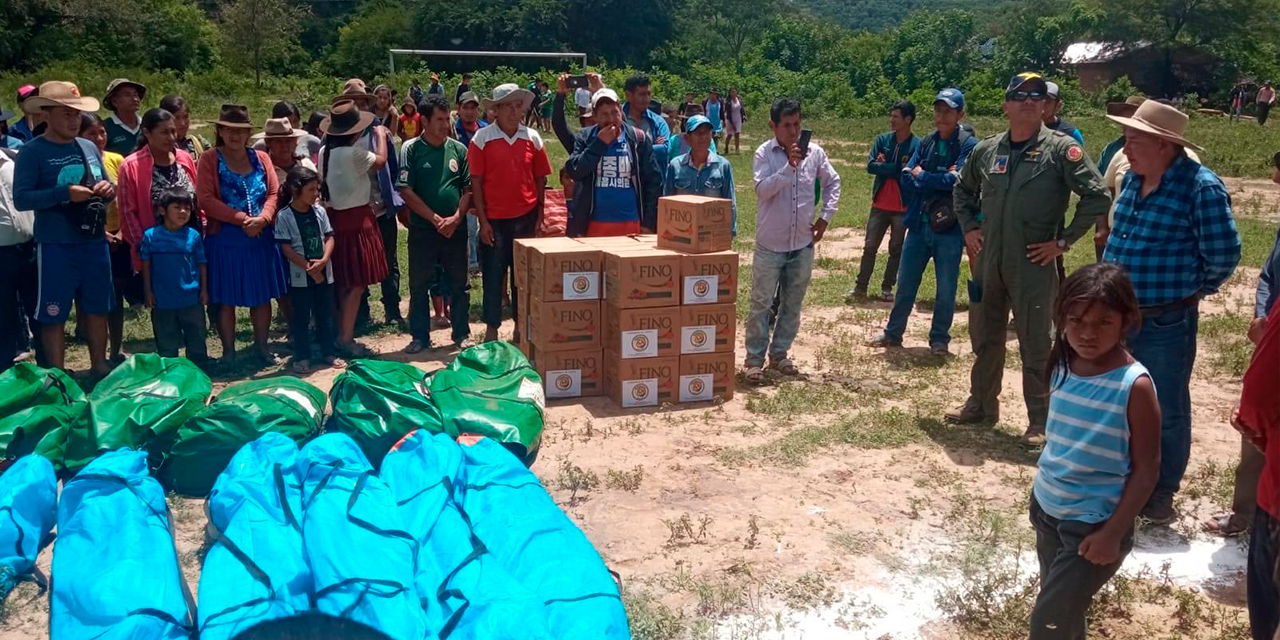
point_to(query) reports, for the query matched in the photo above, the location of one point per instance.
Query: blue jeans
(921, 246)
(473, 242)
(786, 274)
(1166, 346)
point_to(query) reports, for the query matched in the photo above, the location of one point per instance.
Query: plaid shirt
(1178, 241)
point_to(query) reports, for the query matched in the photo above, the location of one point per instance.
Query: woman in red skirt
(358, 259)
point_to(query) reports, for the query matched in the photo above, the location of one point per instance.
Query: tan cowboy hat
(345, 118)
(1160, 120)
(1127, 108)
(279, 128)
(59, 94)
(123, 82)
(235, 116)
(504, 93)
(353, 89)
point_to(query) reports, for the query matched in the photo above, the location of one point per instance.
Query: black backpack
(939, 208)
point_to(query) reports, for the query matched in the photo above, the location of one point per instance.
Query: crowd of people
(98, 213)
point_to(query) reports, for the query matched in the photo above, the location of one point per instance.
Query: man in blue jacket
(638, 114)
(616, 176)
(889, 155)
(932, 229)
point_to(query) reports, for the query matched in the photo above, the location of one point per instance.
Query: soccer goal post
(391, 55)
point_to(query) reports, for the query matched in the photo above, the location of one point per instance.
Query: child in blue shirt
(175, 279)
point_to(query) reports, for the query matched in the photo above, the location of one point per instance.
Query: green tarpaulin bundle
(239, 415)
(492, 390)
(37, 408)
(378, 402)
(140, 404)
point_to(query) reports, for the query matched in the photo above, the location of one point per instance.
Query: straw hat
(280, 128)
(345, 118)
(1160, 120)
(504, 93)
(354, 89)
(59, 94)
(1127, 108)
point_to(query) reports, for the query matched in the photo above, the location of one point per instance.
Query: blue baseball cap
(694, 122)
(952, 97)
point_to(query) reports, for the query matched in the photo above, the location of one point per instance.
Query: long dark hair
(88, 120)
(1100, 283)
(150, 120)
(330, 143)
(173, 103)
(298, 177)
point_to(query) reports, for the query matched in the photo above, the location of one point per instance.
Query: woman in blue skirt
(236, 186)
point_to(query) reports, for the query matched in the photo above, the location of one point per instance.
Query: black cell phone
(805, 136)
(576, 82)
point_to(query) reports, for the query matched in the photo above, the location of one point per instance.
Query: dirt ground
(836, 505)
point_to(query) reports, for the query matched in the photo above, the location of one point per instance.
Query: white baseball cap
(604, 94)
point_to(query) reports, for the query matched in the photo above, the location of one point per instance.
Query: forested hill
(879, 15)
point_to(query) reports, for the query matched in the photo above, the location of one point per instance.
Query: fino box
(563, 326)
(695, 224)
(709, 278)
(563, 270)
(706, 376)
(641, 277)
(642, 333)
(707, 328)
(647, 382)
(569, 374)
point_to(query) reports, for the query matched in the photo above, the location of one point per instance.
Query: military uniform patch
(1075, 153)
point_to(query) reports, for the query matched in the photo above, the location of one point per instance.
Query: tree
(259, 31)
(363, 42)
(933, 50)
(735, 21)
(1036, 33)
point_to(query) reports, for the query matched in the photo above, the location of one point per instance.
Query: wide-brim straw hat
(346, 118)
(278, 128)
(1127, 108)
(504, 93)
(56, 93)
(1160, 120)
(235, 116)
(353, 89)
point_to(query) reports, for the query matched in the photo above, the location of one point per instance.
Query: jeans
(427, 250)
(945, 250)
(498, 260)
(878, 222)
(772, 272)
(473, 242)
(175, 327)
(19, 280)
(1262, 587)
(313, 301)
(390, 230)
(1166, 346)
(1068, 582)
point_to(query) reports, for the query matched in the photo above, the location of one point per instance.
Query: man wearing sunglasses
(1021, 181)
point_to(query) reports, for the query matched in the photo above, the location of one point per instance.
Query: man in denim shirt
(701, 172)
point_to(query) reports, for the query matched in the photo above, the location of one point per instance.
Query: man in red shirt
(509, 169)
(889, 154)
(1258, 418)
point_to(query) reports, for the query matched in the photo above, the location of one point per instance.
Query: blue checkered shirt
(1180, 240)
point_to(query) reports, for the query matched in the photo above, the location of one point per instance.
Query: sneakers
(939, 349)
(885, 342)
(416, 346)
(1160, 510)
(886, 295)
(1034, 437)
(971, 413)
(856, 294)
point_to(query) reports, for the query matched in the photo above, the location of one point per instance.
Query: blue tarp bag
(519, 523)
(361, 558)
(255, 570)
(115, 569)
(28, 509)
(465, 590)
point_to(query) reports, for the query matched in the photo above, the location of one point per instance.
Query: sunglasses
(1023, 96)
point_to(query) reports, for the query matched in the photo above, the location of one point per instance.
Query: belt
(1189, 301)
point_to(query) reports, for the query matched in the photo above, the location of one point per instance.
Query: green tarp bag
(239, 415)
(492, 390)
(37, 407)
(140, 404)
(378, 402)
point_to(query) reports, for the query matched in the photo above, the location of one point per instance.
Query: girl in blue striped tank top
(1102, 452)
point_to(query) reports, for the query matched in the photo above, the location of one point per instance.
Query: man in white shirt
(786, 233)
(18, 274)
(582, 97)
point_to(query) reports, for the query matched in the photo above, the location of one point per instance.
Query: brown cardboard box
(709, 278)
(522, 316)
(520, 257)
(706, 376)
(641, 277)
(608, 242)
(695, 224)
(564, 326)
(642, 333)
(563, 270)
(648, 382)
(707, 328)
(646, 239)
(569, 374)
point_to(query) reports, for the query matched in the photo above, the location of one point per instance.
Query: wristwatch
(1062, 244)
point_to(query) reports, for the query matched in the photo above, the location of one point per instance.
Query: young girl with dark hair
(306, 240)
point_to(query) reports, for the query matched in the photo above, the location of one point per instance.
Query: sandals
(754, 375)
(1226, 526)
(353, 350)
(784, 366)
(301, 367)
(335, 362)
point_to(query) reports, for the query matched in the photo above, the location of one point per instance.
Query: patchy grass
(868, 430)
(1230, 350)
(575, 479)
(649, 618)
(799, 398)
(624, 479)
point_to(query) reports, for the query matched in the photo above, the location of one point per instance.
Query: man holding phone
(615, 173)
(785, 169)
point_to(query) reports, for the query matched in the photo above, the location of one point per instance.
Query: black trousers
(427, 248)
(390, 230)
(1263, 110)
(1263, 582)
(174, 328)
(1068, 582)
(312, 301)
(19, 288)
(498, 260)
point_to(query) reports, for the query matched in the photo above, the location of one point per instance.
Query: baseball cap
(604, 94)
(25, 91)
(952, 97)
(468, 96)
(694, 122)
(1020, 82)
(1051, 90)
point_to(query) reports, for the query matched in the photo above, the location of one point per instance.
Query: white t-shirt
(348, 177)
(582, 97)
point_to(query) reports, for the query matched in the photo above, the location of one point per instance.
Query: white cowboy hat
(1160, 120)
(505, 93)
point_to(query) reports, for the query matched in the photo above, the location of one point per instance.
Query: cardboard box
(640, 383)
(642, 277)
(706, 376)
(695, 224)
(646, 239)
(642, 333)
(709, 278)
(564, 326)
(563, 270)
(569, 374)
(522, 316)
(608, 242)
(707, 328)
(520, 257)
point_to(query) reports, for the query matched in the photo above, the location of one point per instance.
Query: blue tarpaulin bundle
(255, 570)
(28, 509)
(361, 558)
(465, 590)
(115, 568)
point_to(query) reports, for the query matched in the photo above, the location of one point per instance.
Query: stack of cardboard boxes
(642, 319)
